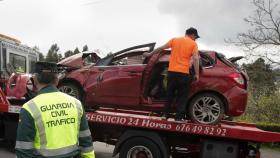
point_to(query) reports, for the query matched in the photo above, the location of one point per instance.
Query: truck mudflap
(4, 104)
(226, 130)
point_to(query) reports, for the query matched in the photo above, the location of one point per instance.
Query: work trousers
(178, 85)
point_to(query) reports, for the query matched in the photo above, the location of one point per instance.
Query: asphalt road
(101, 150)
(105, 151)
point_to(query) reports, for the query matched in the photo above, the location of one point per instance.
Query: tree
(41, 55)
(109, 54)
(263, 37)
(264, 95)
(53, 55)
(60, 57)
(76, 51)
(85, 48)
(68, 53)
(265, 109)
(262, 78)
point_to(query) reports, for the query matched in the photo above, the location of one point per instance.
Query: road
(102, 150)
(105, 151)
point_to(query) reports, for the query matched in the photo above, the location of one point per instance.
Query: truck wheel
(206, 108)
(71, 89)
(140, 148)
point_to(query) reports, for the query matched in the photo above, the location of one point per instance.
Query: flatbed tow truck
(138, 134)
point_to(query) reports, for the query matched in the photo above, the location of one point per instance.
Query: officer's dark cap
(48, 67)
(192, 30)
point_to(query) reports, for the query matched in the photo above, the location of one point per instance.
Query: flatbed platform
(225, 129)
(145, 133)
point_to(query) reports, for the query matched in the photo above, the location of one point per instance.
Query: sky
(112, 25)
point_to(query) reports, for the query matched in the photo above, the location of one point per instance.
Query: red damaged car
(128, 80)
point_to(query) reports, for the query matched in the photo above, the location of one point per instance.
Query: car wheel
(206, 108)
(71, 89)
(140, 148)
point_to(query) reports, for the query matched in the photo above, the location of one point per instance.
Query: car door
(148, 70)
(91, 84)
(119, 77)
(119, 85)
(115, 79)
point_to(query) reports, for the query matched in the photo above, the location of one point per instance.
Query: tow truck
(15, 55)
(139, 134)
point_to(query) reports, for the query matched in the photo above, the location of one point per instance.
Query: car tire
(139, 147)
(71, 89)
(206, 108)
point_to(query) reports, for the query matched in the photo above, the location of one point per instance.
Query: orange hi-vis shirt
(182, 49)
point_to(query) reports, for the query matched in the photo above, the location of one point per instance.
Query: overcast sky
(111, 25)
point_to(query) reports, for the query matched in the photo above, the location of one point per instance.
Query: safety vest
(57, 120)
(19, 70)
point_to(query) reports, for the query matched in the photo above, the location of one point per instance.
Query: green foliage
(265, 109)
(264, 95)
(53, 55)
(41, 57)
(262, 78)
(59, 57)
(273, 127)
(68, 53)
(76, 51)
(85, 48)
(109, 54)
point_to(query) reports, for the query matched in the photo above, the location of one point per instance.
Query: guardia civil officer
(52, 124)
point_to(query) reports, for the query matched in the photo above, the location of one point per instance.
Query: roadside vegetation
(263, 107)
(54, 55)
(262, 45)
(264, 93)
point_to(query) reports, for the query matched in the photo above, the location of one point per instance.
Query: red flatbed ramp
(144, 120)
(228, 130)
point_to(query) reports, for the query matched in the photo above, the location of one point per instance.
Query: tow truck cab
(15, 57)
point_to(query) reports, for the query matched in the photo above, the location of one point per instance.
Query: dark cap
(192, 30)
(45, 67)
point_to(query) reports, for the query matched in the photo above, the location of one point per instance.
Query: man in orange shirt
(182, 50)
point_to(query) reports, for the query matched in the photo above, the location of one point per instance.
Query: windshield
(123, 56)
